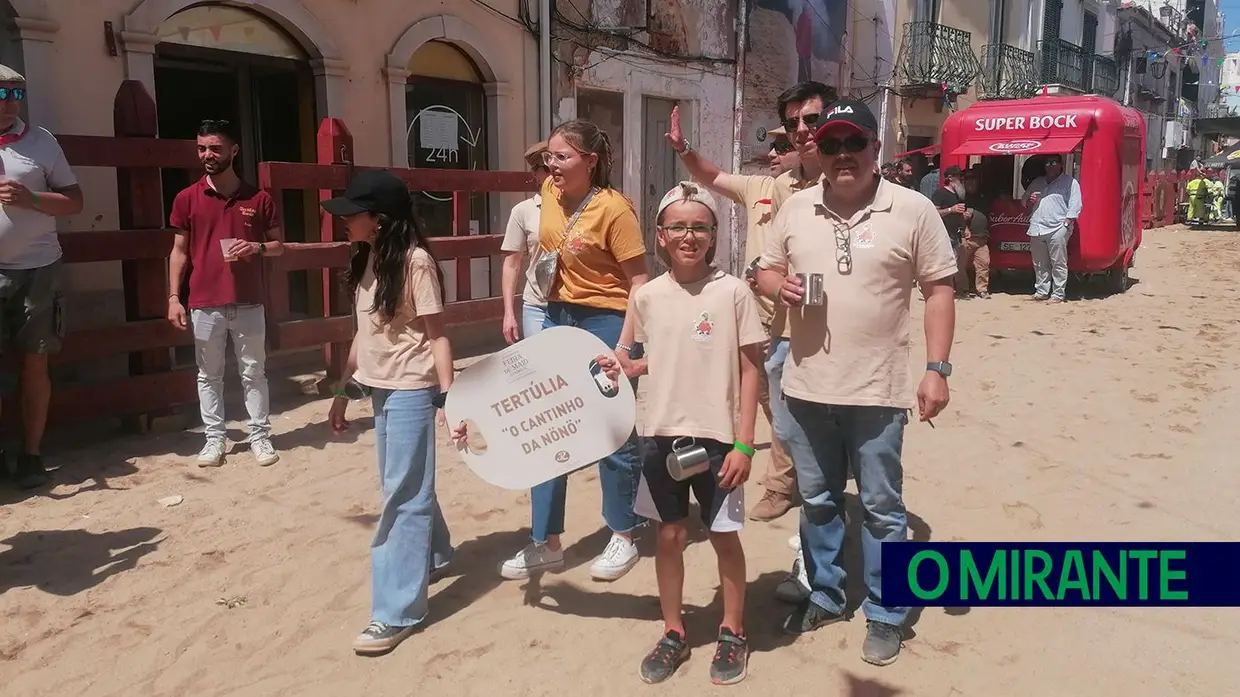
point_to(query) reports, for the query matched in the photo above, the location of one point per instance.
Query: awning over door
(1018, 146)
(928, 150)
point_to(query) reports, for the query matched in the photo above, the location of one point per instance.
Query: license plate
(1013, 246)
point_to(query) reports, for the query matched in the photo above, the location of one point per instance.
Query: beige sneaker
(212, 453)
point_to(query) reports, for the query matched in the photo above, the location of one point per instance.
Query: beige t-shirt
(522, 236)
(397, 355)
(854, 348)
(693, 334)
(759, 195)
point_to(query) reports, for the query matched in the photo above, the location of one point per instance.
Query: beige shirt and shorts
(693, 335)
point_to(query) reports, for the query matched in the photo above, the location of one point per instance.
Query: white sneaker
(264, 452)
(212, 454)
(615, 561)
(534, 559)
(795, 588)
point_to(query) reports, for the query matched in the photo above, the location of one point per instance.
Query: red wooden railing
(143, 243)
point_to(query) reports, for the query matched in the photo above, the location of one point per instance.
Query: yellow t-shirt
(397, 355)
(693, 335)
(854, 348)
(606, 235)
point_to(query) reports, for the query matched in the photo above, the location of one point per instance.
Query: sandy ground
(1104, 419)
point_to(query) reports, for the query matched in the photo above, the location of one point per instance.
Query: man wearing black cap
(863, 243)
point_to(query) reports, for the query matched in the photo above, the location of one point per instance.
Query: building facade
(450, 85)
(1148, 85)
(624, 64)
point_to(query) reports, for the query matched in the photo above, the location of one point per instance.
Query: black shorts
(661, 498)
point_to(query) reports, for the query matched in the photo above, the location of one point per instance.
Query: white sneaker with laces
(212, 453)
(264, 452)
(534, 559)
(615, 561)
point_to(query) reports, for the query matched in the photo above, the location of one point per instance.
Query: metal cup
(811, 289)
(687, 459)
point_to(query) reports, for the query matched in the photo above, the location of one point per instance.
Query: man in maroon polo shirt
(223, 224)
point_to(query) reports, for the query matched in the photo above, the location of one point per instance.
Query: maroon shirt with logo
(208, 217)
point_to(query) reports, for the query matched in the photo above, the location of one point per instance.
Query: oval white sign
(1016, 146)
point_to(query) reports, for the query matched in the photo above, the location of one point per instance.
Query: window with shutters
(1051, 13)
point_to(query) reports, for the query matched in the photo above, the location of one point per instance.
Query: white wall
(706, 113)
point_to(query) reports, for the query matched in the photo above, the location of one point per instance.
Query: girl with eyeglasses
(594, 254)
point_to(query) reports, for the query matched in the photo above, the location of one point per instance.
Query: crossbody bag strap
(581, 207)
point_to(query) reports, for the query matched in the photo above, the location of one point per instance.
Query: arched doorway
(446, 126)
(224, 62)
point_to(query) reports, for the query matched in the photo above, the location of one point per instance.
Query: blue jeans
(829, 440)
(411, 534)
(533, 317)
(618, 472)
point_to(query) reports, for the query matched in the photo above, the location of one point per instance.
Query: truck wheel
(1117, 279)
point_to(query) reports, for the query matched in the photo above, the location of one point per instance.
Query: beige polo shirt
(758, 194)
(854, 348)
(693, 335)
(397, 355)
(521, 237)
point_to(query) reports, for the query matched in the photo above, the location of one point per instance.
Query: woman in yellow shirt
(602, 260)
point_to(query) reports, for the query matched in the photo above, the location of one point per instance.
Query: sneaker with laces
(264, 452)
(809, 616)
(664, 658)
(534, 559)
(212, 453)
(615, 561)
(731, 660)
(379, 638)
(882, 643)
(795, 588)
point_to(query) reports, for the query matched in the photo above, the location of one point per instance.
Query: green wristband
(341, 393)
(744, 448)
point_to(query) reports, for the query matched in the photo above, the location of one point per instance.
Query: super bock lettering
(1023, 123)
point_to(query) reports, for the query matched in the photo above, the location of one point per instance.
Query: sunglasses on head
(791, 123)
(782, 146)
(851, 144)
(14, 93)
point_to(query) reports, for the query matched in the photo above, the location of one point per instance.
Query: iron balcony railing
(1008, 72)
(936, 55)
(1104, 79)
(1063, 63)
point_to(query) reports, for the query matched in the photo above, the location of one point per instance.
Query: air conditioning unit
(1175, 136)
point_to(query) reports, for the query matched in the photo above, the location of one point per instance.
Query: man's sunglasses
(781, 147)
(810, 120)
(851, 144)
(14, 93)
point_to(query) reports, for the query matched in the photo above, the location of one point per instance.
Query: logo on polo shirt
(247, 212)
(863, 236)
(703, 328)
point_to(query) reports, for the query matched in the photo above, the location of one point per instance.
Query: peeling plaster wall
(598, 61)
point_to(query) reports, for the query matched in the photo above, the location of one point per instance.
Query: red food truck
(1103, 146)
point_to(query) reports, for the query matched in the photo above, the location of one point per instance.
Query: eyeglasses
(679, 232)
(810, 120)
(843, 248)
(15, 93)
(851, 144)
(550, 158)
(782, 147)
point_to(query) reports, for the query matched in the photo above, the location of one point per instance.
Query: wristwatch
(262, 248)
(941, 367)
(688, 147)
(439, 400)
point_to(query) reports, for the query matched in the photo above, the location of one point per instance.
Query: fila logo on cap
(840, 110)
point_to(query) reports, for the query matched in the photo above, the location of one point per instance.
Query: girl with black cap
(401, 352)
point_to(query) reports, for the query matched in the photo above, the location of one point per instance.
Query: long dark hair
(395, 240)
(587, 137)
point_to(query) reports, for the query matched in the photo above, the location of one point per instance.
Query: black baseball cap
(847, 113)
(374, 191)
(953, 171)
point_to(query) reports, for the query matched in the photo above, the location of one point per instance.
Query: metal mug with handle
(687, 459)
